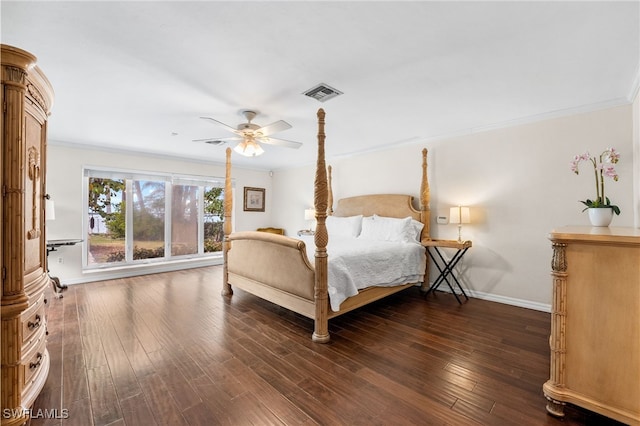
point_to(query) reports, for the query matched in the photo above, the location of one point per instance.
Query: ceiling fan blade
(272, 128)
(216, 141)
(234, 138)
(220, 123)
(280, 142)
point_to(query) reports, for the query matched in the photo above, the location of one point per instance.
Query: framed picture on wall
(253, 199)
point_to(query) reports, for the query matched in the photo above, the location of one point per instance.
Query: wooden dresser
(26, 98)
(595, 323)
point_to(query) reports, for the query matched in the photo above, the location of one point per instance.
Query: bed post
(228, 208)
(425, 212)
(321, 295)
(330, 193)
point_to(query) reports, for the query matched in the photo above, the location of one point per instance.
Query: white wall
(64, 184)
(516, 180)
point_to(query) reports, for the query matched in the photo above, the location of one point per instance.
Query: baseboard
(100, 275)
(544, 307)
(157, 269)
(536, 306)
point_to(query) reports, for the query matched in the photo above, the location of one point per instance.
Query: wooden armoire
(26, 99)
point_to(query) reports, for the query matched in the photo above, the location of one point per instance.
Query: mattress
(355, 264)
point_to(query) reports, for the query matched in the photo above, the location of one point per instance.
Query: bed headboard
(389, 205)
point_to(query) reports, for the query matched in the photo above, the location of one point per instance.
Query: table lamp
(49, 209)
(309, 216)
(459, 215)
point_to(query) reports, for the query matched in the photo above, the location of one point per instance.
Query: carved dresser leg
(555, 408)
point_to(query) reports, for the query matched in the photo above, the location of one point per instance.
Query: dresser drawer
(34, 358)
(33, 320)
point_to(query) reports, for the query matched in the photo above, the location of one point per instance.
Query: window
(184, 220)
(138, 218)
(148, 219)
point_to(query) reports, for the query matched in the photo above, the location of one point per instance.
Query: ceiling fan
(251, 135)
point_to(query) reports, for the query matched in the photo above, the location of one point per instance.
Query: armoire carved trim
(26, 98)
(37, 96)
(33, 166)
(14, 75)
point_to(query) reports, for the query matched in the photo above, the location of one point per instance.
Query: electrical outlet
(60, 259)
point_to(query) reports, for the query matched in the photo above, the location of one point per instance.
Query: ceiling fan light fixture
(249, 148)
(252, 135)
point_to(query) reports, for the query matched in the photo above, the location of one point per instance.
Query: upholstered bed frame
(276, 267)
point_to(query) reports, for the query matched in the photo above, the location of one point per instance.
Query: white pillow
(386, 228)
(413, 232)
(344, 226)
(364, 223)
(416, 227)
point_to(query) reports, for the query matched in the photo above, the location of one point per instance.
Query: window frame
(170, 179)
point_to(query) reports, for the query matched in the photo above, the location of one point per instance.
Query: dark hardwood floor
(168, 349)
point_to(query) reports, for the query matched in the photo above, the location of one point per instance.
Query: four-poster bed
(277, 268)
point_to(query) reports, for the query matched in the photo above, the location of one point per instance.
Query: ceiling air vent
(322, 92)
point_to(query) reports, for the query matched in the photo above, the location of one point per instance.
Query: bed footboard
(274, 267)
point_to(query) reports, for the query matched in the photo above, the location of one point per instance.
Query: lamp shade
(49, 210)
(309, 214)
(459, 215)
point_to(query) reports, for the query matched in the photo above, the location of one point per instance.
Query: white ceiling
(129, 74)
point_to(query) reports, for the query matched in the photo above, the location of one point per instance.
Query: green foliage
(107, 198)
(214, 202)
(138, 253)
(598, 204)
(101, 191)
(148, 227)
(214, 231)
(146, 253)
(115, 222)
(101, 194)
(148, 210)
(116, 256)
(211, 245)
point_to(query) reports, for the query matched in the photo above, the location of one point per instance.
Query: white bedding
(356, 263)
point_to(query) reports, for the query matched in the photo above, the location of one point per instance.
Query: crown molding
(584, 109)
(416, 140)
(146, 154)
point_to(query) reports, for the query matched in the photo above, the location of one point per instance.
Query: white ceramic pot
(600, 216)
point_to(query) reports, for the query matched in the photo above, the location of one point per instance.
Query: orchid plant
(602, 167)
